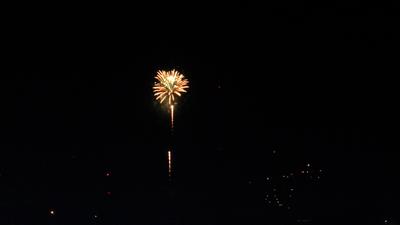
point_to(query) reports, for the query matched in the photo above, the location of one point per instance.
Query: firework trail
(169, 86)
(169, 164)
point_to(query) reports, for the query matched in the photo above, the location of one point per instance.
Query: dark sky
(314, 82)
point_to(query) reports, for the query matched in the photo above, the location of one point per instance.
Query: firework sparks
(169, 85)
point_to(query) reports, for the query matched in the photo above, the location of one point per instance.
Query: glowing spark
(169, 85)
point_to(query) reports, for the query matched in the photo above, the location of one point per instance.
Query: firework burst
(170, 85)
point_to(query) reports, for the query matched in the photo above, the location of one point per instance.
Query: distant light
(108, 193)
(52, 212)
(386, 221)
(267, 178)
(308, 165)
(302, 171)
(273, 151)
(108, 174)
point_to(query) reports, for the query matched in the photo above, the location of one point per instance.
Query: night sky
(289, 118)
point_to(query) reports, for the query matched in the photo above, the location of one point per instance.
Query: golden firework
(169, 85)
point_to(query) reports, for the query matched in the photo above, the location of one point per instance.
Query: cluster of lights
(281, 189)
(311, 174)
